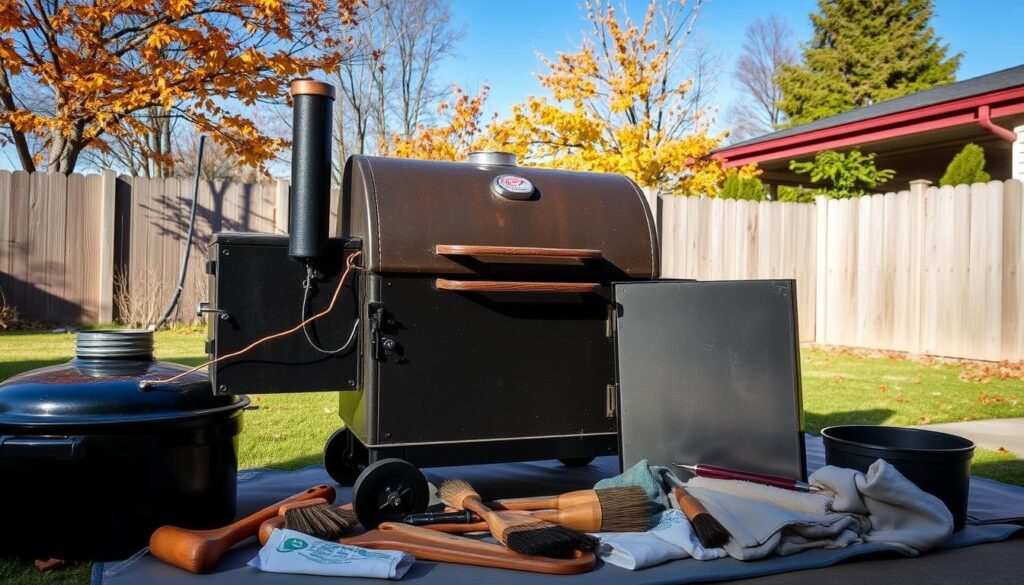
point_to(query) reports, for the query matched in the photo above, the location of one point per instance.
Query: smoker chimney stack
(309, 210)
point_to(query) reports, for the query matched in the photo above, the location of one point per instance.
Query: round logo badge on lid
(512, 187)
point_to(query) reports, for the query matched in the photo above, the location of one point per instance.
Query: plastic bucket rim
(967, 449)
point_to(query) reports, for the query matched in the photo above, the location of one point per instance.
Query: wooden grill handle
(514, 286)
(517, 251)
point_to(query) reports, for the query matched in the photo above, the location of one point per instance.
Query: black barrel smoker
(480, 327)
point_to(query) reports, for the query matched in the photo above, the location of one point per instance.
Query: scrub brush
(520, 533)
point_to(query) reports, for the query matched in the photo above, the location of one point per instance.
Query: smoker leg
(344, 457)
(576, 461)
(388, 491)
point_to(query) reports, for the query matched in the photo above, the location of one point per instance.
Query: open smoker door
(708, 372)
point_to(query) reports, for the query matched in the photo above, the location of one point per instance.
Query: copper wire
(349, 267)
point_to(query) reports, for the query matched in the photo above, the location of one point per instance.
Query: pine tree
(967, 167)
(864, 52)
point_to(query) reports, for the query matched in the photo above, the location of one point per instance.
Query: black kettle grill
(481, 327)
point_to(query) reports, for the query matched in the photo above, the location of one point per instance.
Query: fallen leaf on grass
(838, 378)
(328, 410)
(901, 398)
(883, 388)
(924, 419)
(916, 379)
(1002, 450)
(987, 399)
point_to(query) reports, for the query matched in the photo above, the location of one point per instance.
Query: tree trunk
(64, 150)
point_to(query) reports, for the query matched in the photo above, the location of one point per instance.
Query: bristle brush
(521, 533)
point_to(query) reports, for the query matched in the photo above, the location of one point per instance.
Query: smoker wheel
(576, 461)
(388, 491)
(340, 457)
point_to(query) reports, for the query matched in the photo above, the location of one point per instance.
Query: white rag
(671, 538)
(288, 551)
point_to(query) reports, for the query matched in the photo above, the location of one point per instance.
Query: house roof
(915, 135)
(1005, 79)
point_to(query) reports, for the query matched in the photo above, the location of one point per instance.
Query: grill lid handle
(517, 251)
(516, 286)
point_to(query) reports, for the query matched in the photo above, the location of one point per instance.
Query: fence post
(281, 202)
(918, 188)
(107, 245)
(821, 270)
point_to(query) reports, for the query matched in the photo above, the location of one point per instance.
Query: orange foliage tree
(74, 73)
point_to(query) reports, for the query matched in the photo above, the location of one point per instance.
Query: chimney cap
(311, 87)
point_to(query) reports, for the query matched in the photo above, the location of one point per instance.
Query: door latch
(381, 344)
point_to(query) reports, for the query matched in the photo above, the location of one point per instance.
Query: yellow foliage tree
(451, 141)
(75, 72)
(616, 105)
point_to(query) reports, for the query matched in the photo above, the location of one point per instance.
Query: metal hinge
(611, 400)
(611, 323)
(211, 267)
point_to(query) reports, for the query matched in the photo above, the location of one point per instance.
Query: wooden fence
(928, 270)
(70, 245)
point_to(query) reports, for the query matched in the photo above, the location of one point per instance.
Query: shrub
(8, 314)
(967, 167)
(736, 187)
(845, 175)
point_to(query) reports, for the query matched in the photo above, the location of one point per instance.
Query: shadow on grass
(814, 422)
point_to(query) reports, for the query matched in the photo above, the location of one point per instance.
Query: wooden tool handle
(199, 550)
(435, 546)
(690, 505)
(585, 517)
(517, 251)
(566, 500)
(516, 286)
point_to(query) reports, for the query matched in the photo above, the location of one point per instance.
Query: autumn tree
(864, 52)
(618, 104)
(768, 46)
(75, 74)
(454, 139)
(388, 86)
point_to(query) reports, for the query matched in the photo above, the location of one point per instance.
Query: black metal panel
(469, 366)
(481, 452)
(709, 373)
(257, 291)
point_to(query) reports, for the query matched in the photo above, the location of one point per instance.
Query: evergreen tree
(864, 52)
(967, 167)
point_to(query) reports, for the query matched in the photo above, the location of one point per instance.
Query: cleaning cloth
(641, 474)
(879, 506)
(671, 538)
(288, 551)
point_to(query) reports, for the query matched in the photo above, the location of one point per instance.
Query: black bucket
(938, 463)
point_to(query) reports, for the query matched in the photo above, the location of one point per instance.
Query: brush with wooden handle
(607, 498)
(586, 517)
(198, 551)
(523, 534)
(710, 531)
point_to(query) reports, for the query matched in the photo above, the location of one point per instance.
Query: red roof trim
(944, 115)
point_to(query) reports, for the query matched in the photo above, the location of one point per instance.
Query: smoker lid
(101, 386)
(403, 209)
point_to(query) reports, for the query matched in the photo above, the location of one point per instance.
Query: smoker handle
(513, 286)
(517, 251)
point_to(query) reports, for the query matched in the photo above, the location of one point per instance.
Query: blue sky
(502, 37)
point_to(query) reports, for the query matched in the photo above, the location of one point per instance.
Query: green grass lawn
(289, 431)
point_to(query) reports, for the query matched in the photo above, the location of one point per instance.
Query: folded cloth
(671, 538)
(880, 506)
(288, 551)
(900, 513)
(641, 474)
(788, 499)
